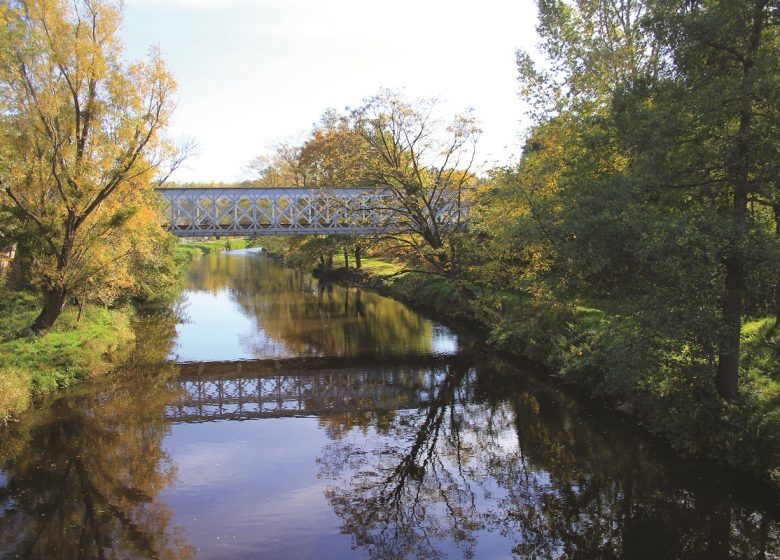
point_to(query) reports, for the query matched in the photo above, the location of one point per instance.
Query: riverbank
(33, 365)
(584, 348)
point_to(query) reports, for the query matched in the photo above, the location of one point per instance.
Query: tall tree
(673, 124)
(721, 87)
(591, 48)
(84, 131)
(400, 147)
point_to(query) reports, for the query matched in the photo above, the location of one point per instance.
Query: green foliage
(379, 267)
(643, 218)
(158, 275)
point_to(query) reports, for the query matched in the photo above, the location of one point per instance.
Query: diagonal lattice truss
(274, 211)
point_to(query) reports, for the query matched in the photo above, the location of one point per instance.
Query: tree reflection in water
(494, 452)
(403, 498)
(83, 474)
(304, 317)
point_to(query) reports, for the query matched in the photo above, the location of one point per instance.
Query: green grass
(761, 359)
(378, 267)
(757, 329)
(590, 317)
(33, 365)
(191, 249)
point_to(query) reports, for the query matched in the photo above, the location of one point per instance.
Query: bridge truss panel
(273, 211)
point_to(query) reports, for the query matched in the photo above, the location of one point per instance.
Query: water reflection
(81, 478)
(286, 388)
(245, 306)
(473, 468)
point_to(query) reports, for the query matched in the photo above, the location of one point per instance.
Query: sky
(252, 73)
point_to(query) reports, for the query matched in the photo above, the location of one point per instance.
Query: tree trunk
(53, 302)
(346, 258)
(728, 358)
(728, 363)
(54, 298)
(358, 255)
(776, 209)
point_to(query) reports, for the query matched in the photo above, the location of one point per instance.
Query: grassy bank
(188, 250)
(31, 365)
(608, 358)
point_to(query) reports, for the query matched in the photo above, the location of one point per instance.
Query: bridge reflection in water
(307, 387)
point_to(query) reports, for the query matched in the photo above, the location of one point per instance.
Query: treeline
(650, 178)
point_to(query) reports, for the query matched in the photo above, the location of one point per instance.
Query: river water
(271, 416)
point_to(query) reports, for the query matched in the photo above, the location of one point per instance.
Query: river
(270, 416)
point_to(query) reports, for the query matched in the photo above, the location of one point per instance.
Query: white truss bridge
(205, 212)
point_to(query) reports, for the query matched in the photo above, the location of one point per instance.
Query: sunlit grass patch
(589, 316)
(192, 249)
(379, 267)
(14, 392)
(757, 328)
(761, 359)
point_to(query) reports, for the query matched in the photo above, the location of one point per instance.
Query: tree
(84, 131)
(592, 47)
(722, 88)
(668, 115)
(425, 168)
(282, 168)
(397, 146)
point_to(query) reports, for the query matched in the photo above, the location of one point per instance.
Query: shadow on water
(421, 454)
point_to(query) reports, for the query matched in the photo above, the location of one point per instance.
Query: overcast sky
(255, 72)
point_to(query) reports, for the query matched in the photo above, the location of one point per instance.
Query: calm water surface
(270, 416)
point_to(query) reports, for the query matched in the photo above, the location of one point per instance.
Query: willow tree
(83, 132)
